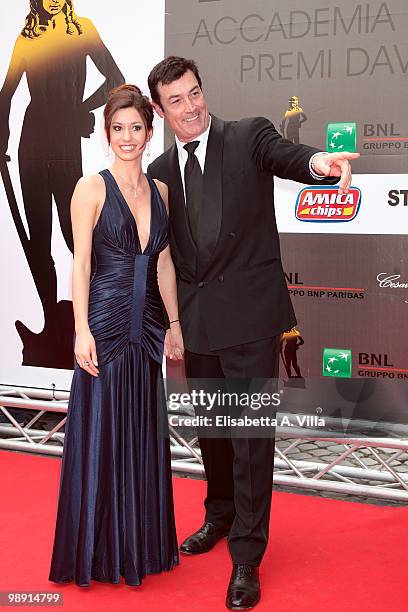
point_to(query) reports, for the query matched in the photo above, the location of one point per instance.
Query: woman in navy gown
(115, 509)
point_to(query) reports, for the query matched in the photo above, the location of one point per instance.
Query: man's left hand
(336, 164)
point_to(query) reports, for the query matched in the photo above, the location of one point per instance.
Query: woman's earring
(148, 149)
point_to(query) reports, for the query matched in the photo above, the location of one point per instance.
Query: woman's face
(53, 7)
(128, 134)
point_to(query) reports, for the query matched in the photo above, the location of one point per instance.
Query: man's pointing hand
(336, 164)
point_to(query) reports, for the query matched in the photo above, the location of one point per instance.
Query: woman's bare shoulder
(91, 187)
(92, 181)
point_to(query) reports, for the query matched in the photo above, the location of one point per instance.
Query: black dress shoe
(244, 590)
(204, 539)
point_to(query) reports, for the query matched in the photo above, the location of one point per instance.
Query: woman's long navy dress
(115, 509)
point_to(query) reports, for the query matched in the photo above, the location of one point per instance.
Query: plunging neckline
(132, 216)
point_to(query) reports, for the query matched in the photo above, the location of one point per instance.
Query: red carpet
(323, 555)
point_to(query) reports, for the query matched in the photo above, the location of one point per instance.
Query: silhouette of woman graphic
(292, 121)
(293, 340)
(51, 50)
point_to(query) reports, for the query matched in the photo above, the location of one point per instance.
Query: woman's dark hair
(128, 96)
(32, 21)
(168, 70)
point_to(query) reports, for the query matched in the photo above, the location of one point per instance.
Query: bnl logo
(337, 363)
(341, 137)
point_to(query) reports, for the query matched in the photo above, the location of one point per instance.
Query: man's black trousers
(239, 470)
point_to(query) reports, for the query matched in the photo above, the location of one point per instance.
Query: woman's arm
(86, 203)
(167, 284)
(174, 347)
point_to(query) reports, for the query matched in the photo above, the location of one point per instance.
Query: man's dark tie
(193, 181)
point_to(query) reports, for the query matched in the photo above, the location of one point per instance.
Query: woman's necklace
(130, 187)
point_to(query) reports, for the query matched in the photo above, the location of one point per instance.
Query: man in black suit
(233, 298)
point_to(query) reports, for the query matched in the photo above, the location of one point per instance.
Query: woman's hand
(173, 343)
(168, 350)
(85, 352)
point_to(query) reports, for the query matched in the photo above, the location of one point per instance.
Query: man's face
(183, 106)
(53, 7)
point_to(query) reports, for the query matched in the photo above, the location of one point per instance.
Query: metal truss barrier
(346, 471)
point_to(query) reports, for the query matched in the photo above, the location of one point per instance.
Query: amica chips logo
(326, 204)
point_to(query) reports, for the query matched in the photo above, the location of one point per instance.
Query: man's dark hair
(168, 70)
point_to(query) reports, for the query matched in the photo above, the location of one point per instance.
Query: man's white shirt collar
(202, 139)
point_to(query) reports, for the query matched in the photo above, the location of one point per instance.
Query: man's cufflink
(317, 177)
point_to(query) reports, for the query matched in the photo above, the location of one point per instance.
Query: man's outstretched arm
(301, 163)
